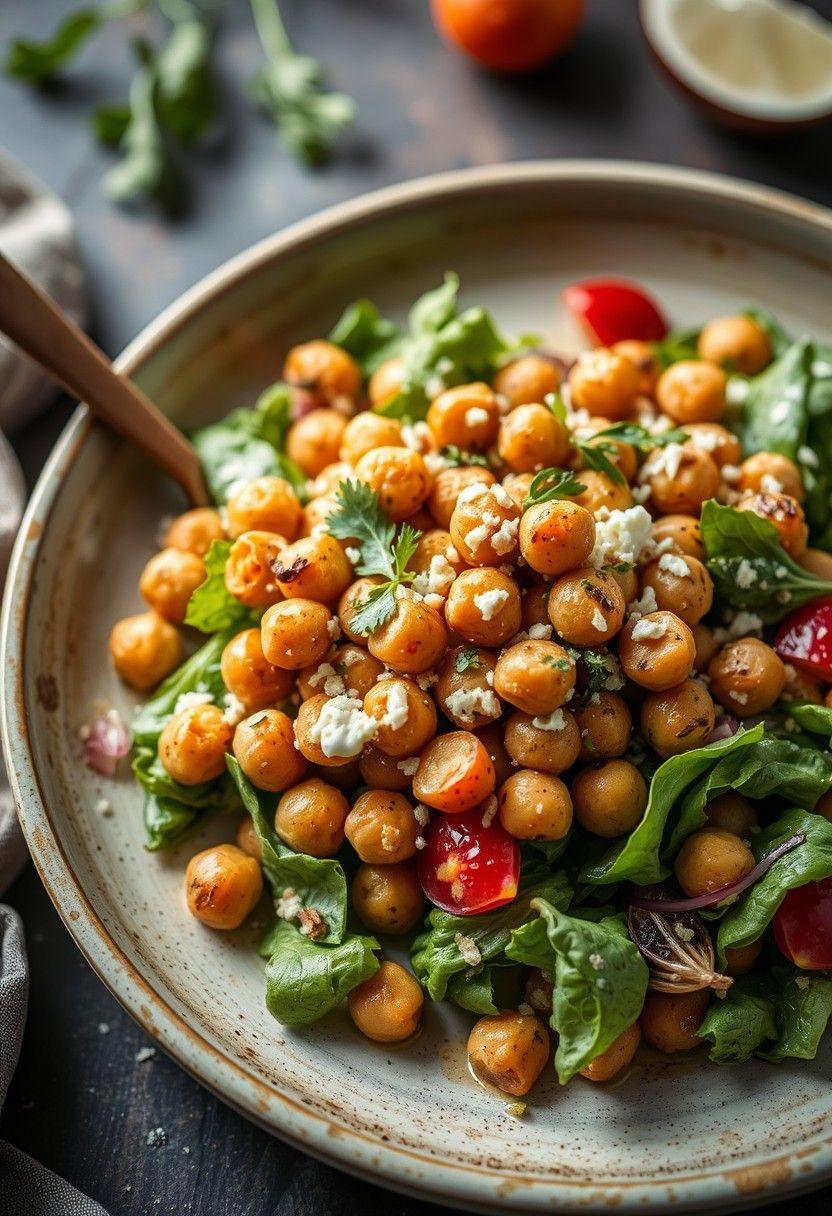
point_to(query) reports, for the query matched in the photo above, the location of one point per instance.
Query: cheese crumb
(683, 931)
(157, 1137)
(144, 1054)
(489, 603)
(644, 629)
(505, 538)
(475, 489)
(746, 575)
(343, 728)
(806, 456)
(289, 905)
(489, 810)
(437, 579)
(408, 766)
(476, 416)
(540, 632)
(192, 700)
(555, 721)
(621, 536)
(769, 484)
(467, 703)
(642, 607)
(663, 460)
(326, 674)
(421, 814)
(802, 982)
(333, 629)
(674, 564)
(353, 554)
(397, 711)
(599, 621)
(596, 962)
(467, 947)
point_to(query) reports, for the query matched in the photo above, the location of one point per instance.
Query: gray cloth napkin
(36, 233)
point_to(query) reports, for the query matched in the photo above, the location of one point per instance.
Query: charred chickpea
(617, 1056)
(249, 676)
(314, 568)
(586, 607)
(264, 745)
(528, 379)
(381, 827)
(412, 640)
(681, 478)
(534, 676)
(787, 516)
(491, 737)
(684, 531)
(682, 585)
(556, 536)
(249, 576)
(733, 813)
(605, 382)
(609, 798)
(670, 1020)
(405, 714)
(399, 477)
(509, 1051)
(483, 607)
(169, 580)
(605, 726)
(692, 391)
(386, 381)
(548, 745)
(248, 840)
(382, 772)
(678, 719)
(535, 806)
(345, 776)
(740, 959)
(657, 651)
(464, 690)
(484, 525)
(222, 886)
(195, 531)
(315, 440)
(388, 1006)
(817, 562)
(193, 744)
(324, 369)
(531, 438)
(367, 431)
(721, 445)
(738, 343)
(350, 602)
(467, 417)
(267, 504)
(447, 487)
(601, 491)
(388, 898)
(295, 633)
(711, 859)
(643, 358)
(747, 677)
(310, 818)
(771, 472)
(455, 773)
(706, 646)
(144, 649)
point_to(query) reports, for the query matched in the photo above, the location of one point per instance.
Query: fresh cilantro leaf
(549, 484)
(404, 547)
(378, 607)
(595, 457)
(358, 515)
(557, 663)
(467, 659)
(639, 437)
(456, 457)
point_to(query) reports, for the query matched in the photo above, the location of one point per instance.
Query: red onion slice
(726, 727)
(106, 741)
(716, 897)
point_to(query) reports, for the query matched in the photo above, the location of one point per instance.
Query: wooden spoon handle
(54, 341)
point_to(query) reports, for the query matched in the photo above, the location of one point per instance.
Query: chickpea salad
(519, 662)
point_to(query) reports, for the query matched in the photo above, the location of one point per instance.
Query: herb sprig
(550, 484)
(467, 658)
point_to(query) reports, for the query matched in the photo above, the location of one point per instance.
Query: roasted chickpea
(484, 525)
(817, 562)
(722, 446)
(535, 676)
(386, 381)
(706, 646)
(509, 1051)
(711, 859)
(670, 1020)
(222, 886)
(605, 725)
(518, 486)
(600, 492)
(367, 431)
(685, 533)
(467, 417)
(315, 515)
(314, 568)
(657, 651)
(345, 776)
(586, 607)
(552, 748)
(609, 798)
(733, 813)
(388, 898)
(330, 478)
(399, 477)
(381, 827)
(295, 633)
(264, 746)
(388, 1006)
(604, 382)
(535, 609)
(317, 734)
(692, 390)
(617, 1056)
(412, 640)
(643, 358)
(169, 580)
(349, 604)
(747, 677)
(800, 686)
(249, 676)
(405, 714)
(314, 441)
(310, 818)
(454, 773)
(528, 379)
(447, 487)
(627, 581)
(556, 536)
(144, 648)
(531, 438)
(325, 370)
(539, 991)
(193, 744)
(787, 516)
(195, 531)
(248, 840)
(483, 607)
(433, 544)
(492, 740)
(357, 668)
(681, 478)
(682, 585)
(739, 959)
(769, 472)
(737, 343)
(267, 504)
(381, 772)
(467, 696)
(678, 719)
(249, 573)
(535, 806)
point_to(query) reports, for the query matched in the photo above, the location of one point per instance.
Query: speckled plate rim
(370, 1157)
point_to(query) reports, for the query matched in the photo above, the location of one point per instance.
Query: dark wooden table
(81, 1101)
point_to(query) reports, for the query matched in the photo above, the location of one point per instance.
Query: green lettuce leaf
(775, 413)
(473, 990)
(212, 607)
(737, 1025)
(817, 719)
(366, 335)
(803, 1006)
(306, 980)
(199, 673)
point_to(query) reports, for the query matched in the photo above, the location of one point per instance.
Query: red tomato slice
(803, 926)
(467, 868)
(612, 310)
(805, 639)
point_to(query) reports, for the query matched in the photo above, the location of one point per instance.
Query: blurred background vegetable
(509, 35)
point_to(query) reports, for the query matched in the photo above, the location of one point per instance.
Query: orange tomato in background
(509, 35)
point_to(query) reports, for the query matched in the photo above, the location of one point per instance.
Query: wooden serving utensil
(54, 341)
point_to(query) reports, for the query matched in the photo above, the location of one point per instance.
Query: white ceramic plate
(671, 1136)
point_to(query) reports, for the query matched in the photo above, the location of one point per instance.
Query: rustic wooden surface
(81, 1101)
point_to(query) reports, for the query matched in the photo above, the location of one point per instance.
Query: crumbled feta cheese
(647, 603)
(326, 674)
(437, 579)
(234, 711)
(476, 537)
(353, 554)
(489, 810)
(621, 536)
(746, 575)
(467, 947)
(191, 700)
(505, 538)
(467, 703)
(489, 603)
(476, 416)
(421, 814)
(525, 1010)
(779, 411)
(103, 1028)
(104, 807)
(744, 623)
(769, 484)
(806, 456)
(397, 711)
(144, 1054)
(342, 728)
(802, 982)
(390, 837)
(556, 720)
(641, 493)
(645, 629)
(741, 698)
(420, 842)
(333, 629)
(418, 437)
(730, 473)
(436, 462)
(289, 905)
(408, 766)
(599, 621)
(674, 564)
(474, 489)
(426, 680)
(706, 441)
(596, 962)
(540, 632)
(666, 460)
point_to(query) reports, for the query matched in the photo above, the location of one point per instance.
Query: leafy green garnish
(305, 980)
(467, 658)
(639, 437)
(740, 1023)
(200, 673)
(679, 344)
(212, 606)
(550, 484)
(456, 457)
(775, 415)
(803, 1006)
(598, 666)
(595, 455)
(473, 990)
(750, 567)
(776, 1016)
(558, 664)
(366, 335)
(600, 980)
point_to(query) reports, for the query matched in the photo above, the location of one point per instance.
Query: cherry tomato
(803, 926)
(612, 310)
(508, 35)
(805, 639)
(467, 868)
